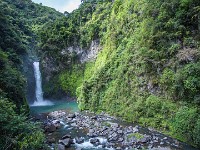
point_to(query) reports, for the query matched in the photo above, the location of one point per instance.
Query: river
(65, 126)
(79, 127)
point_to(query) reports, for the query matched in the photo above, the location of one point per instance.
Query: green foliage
(70, 80)
(19, 21)
(17, 132)
(16, 19)
(167, 81)
(88, 70)
(188, 82)
(150, 56)
(12, 83)
(185, 125)
(153, 111)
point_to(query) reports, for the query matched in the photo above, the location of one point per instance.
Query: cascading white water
(39, 101)
(38, 90)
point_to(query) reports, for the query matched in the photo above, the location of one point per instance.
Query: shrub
(17, 132)
(70, 80)
(188, 82)
(185, 125)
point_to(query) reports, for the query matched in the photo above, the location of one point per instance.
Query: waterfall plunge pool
(44, 106)
(71, 106)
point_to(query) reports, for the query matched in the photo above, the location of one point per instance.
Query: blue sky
(60, 5)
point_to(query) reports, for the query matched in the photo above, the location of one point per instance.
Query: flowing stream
(80, 127)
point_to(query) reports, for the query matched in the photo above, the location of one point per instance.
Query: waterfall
(38, 90)
(39, 101)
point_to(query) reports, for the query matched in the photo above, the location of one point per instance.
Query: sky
(60, 5)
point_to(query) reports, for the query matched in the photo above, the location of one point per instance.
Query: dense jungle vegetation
(147, 72)
(19, 21)
(148, 69)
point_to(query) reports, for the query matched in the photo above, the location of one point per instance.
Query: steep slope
(67, 44)
(148, 69)
(18, 20)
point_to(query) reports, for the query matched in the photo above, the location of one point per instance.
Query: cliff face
(52, 68)
(148, 68)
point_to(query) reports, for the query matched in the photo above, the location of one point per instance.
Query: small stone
(120, 140)
(144, 139)
(61, 147)
(119, 131)
(94, 117)
(50, 128)
(71, 116)
(94, 141)
(66, 136)
(79, 140)
(165, 138)
(66, 142)
(135, 129)
(73, 124)
(51, 140)
(161, 143)
(150, 146)
(114, 125)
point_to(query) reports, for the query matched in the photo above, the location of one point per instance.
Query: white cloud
(60, 5)
(70, 6)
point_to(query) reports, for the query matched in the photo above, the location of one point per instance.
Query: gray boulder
(66, 136)
(66, 142)
(71, 116)
(79, 140)
(61, 147)
(50, 128)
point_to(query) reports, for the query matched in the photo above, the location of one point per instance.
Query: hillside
(144, 67)
(134, 59)
(19, 22)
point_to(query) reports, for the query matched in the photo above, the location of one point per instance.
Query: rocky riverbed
(87, 131)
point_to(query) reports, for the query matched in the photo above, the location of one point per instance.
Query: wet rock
(119, 131)
(145, 139)
(56, 123)
(69, 119)
(92, 133)
(51, 140)
(61, 147)
(120, 140)
(114, 125)
(161, 143)
(66, 136)
(76, 114)
(155, 139)
(50, 128)
(150, 146)
(66, 142)
(97, 124)
(79, 140)
(138, 146)
(135, 129)
(113, 137)
(73, 124)
(165, 138)
(129, 130)
(94, 117)
(71, 116)
(104, 128)
(132, 139)
(94, 141)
